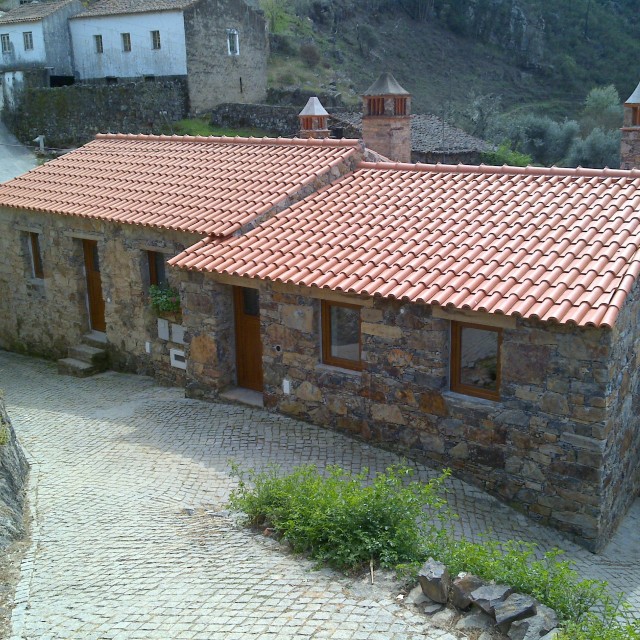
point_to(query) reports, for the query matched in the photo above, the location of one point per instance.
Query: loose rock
(515, 607)
(461, 589)
(478, 620)
(487, 597)
(435, 581)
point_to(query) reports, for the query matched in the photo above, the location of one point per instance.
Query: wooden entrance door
(248, 342)
(94, 285)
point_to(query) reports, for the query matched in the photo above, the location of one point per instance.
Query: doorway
(248, 340)
(94, 285)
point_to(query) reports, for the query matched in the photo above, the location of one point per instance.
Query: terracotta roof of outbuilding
(552, 244)
(32, 11)
(196, 184)
(429, 134)
(115, 7)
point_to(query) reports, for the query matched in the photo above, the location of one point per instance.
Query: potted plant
(165, 301)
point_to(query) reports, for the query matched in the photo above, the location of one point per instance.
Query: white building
(36, 36)
(112, 41)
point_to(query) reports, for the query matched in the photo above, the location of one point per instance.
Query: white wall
(18, 56)
(142, 60)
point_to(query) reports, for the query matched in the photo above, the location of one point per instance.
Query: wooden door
(248, 341)
(94, 285)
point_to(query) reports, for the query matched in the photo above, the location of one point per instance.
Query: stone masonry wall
(621, 477)
(48, 316)
(540, 448)
(72, 115)
(13, 475)
(214, 76)
(280, 121)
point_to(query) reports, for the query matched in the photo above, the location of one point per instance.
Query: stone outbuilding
(480, 318)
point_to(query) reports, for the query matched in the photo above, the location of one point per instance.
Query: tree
(602, 109)
(599, 149)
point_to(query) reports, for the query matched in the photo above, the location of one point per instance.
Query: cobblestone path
(131, 539)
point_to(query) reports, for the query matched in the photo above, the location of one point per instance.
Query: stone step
(95, 339)
(76, 368)
(92, 355)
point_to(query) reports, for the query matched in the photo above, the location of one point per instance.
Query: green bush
(164, 299)
(505, 155)
(343, 520)
(610, 621)
(549, 579)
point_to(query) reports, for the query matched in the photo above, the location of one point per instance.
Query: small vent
(400, 106)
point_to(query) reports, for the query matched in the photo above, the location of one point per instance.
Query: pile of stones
(469, 603)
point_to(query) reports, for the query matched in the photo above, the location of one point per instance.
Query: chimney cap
(634, 98)
(386, 85)
(313, 108)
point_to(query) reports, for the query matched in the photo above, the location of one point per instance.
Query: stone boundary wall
(71, 116)
(13, 475)
(277, 120)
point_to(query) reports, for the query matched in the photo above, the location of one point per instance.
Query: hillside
(457, 57)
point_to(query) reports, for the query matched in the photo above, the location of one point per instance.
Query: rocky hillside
(516, 55)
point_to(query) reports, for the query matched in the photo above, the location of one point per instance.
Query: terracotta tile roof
(429, 134)
(32, 11)
(115, 7)
(555, 244)
(203, 185)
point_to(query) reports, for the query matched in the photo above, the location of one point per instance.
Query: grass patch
(202, 127)
(4, 434)
(349, 521)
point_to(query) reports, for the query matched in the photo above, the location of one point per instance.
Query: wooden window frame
(6, 42)
(156, 42)
(456, 345)
(126, 42)
(36, 255)
(27, 40)
(99, 43)
(153, 268)
(327, 357)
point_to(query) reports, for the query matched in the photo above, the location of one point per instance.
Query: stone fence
(72, 115)
(13, 473)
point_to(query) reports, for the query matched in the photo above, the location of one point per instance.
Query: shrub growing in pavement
(342, 518)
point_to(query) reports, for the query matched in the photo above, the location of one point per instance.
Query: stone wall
(279, 121)
(621, 435)
(215, 76)
(47, 316)
(72, 115)
(13, 476)
(540, 448)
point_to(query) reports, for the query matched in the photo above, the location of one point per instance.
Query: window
(233, 44)
(157, 270)
(155, 39)
(98, 41)
(27, 39)
(475, 360)
(6, 43)
(126, 42)
(36, 256)
(341, 335)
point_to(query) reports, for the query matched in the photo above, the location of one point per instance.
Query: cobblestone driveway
(130, 537)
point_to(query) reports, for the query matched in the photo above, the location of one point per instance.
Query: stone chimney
(386, 119)
(630, 141)
(313, 120)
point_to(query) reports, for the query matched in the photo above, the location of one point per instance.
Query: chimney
(386, 119)
(630, 140)
(313, 120)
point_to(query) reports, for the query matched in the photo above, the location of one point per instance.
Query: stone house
(481, 318)
(219, 46)
(35, 38)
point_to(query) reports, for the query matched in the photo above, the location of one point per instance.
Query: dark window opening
(36, 255)
(475, 360)
(157, 269)
(341, 343)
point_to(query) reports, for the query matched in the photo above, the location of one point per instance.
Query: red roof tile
(554, 244)
(204, 185)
